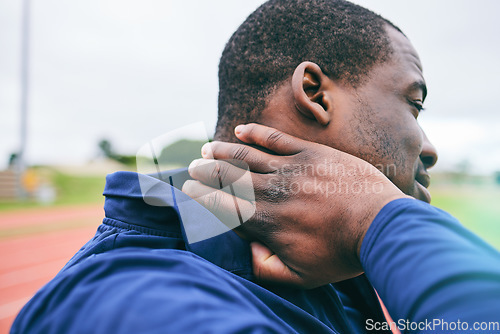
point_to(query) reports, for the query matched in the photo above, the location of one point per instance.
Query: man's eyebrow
(419, 85)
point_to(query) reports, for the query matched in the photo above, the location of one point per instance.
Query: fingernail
(239, 129)
(206, 150)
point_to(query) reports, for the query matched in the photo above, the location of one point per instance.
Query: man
(434, 275)
(326, 71)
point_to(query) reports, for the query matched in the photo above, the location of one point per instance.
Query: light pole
(25, 44)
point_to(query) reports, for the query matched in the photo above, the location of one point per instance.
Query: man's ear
(311, 92)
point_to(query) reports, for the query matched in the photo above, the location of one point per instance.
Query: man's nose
(429, 154)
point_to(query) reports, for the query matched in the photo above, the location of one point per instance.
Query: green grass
(70, 190)
(79, 189)
(477, 207)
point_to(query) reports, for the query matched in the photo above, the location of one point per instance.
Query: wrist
(375, 210)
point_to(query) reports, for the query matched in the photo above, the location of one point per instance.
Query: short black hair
(344, 39)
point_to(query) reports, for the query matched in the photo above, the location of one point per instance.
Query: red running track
(34, 245)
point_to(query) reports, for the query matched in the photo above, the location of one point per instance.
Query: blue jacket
(139, 275)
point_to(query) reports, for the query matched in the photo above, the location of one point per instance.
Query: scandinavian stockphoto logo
(162, 166)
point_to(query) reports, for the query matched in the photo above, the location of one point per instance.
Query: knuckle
(215, 173)
(274, 137)
(223, 174)
(275, 190)
(240, 153)
(213, 201)
(307, 155)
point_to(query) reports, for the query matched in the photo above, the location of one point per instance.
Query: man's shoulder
(134, 290)
(131, 281)
(113, 235)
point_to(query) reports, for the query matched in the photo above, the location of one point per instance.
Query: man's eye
(418, 105)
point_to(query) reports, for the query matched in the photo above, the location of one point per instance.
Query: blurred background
(84, 84)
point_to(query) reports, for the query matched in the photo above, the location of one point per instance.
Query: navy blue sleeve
(431, 272)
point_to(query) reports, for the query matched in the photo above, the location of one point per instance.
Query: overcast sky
(130, 71)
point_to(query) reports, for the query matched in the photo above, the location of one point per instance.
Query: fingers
(270, 138)
(268, 267)
(218, 173)
(257, 161)
(228, 207)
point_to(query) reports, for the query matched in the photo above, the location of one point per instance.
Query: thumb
(268, 267)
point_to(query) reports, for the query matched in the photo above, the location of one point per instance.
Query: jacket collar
(157, 203)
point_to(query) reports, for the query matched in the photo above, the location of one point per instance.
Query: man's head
(331, 72)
